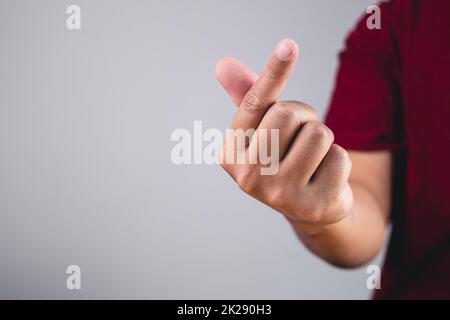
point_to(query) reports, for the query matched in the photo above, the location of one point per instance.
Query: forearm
(353, 241)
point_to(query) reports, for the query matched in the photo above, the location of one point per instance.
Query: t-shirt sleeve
(366, 108)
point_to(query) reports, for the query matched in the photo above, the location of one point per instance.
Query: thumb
(235, 77)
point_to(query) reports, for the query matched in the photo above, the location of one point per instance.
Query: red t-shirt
(393, 93)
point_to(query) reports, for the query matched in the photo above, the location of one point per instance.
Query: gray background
(85, 170)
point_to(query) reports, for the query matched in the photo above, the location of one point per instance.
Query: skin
(338, 202)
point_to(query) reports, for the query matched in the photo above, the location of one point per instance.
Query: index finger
(267, 89)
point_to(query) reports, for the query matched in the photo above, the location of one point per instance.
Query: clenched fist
(311, 185)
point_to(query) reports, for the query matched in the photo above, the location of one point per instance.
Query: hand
(311, 185)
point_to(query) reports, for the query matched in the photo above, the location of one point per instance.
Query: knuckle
(253, 102)
(278, 199)
(341, 156)
(247, 182)
(299, 111)
(318, 132)
(305, 108)
(284, 109)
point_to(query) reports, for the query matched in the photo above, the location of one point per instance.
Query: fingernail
(284, 50)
